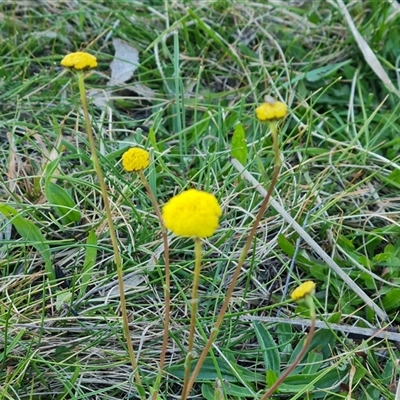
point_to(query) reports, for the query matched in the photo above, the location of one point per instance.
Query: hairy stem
(299, 357)
(167, 283)
(117, 257)
(194, 302)
(242, 258)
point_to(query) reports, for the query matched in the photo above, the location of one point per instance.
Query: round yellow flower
(271, 110)
(79, 61)
(192, 213)
(135, 159)
(304, 290)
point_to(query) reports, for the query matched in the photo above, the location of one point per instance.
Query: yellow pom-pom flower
(79, 61)
(271, 110)
(135, 159)
(304, 290)
(192, 213)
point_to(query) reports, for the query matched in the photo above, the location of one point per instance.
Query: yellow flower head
(135, 159)
(79, 61)
(192, 213)
(271, 110)
(304, 290)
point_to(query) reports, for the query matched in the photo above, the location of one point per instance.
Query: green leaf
(152, 138)
(315, 267)
(285, 245)
(295, 384)
(285, 337)
(90, 259)
(62, 299)
(272, 377)
(394, 176)
(239, 145)
(335, 317)
(325, 71)
(323, 341)
(209, 392)
(31, 234)
(318, 73)
(62, 202)
(209, 373)
(314, 361)
(391, 300)
(268, 348)
(51, 167)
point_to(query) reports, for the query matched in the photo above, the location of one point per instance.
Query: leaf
(124, 64)
(314, 361)
(90, 259)
(272, 377)
(62, 299)
(285, 245)
(324, 379)
(394, 176)
(320, 73)
(323, 341)
(152, 138)
(315, 267)
(62, 202)
(285, 337)
(208, 372)
(31, 233)
(239, 146)
(209, 392)
(268, 348)
(391, 301)
(335, 318)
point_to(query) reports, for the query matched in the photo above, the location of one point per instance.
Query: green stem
(299, 357)
(242, 258)
(167, 283)
(194, 302)
(117, 257)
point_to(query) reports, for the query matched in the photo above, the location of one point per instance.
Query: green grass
(209, 64)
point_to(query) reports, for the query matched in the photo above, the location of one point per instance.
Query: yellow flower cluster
(79, 61)
(304, 290)
(135, 159)
(271, 110)
(192, 213)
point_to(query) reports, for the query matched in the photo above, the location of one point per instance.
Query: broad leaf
(62, 202)
(268, 348)
(239, 146)
(31, 234)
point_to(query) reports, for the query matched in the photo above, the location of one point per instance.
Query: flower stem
(167, 283)
(242, 258)
(194, 302)
(117, 257)
(299, 357)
